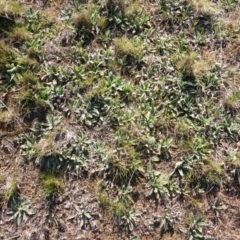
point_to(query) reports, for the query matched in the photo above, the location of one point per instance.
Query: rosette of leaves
(20, 211)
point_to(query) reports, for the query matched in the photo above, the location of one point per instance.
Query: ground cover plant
(119, 119)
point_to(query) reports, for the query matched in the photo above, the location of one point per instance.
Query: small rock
(67, 206)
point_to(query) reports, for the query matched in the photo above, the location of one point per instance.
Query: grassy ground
(120, 119)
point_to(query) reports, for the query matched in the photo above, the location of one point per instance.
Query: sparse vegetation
(119, 119)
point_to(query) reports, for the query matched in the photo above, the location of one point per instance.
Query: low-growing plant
(129, 219)
(33, 20)
(83, 19)
(8, 119)
(10, 9)
(5, 55)
(157, 185)
(123, 215)
(232, 102)
(29, 150)
(127, 50)
(204, 7)
(124, 195)
(20, 211)
(195, 228)
(12, 191)
(168, 10)
(115, 7)
(181, 168)
(83, 215)
(216, 206)
(206, 175)
(166, 224)
(52, 186)
(19, 35)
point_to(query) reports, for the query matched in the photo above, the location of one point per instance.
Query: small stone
(67, 206)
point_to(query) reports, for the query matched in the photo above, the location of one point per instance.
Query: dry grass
(205, 7)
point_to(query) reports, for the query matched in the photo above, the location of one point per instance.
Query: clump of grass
(30, 63)
(33, 102)
(102, 23)
(104, 201)
(7, 119)
(133, 9)
(51, 186)
(119, 170)
(185, 65)
(232, 101)
(118, 209)
(201, 67)
(19, 34)
(5, 54)
(29, 78)
(83, 24)
(183, 129)
(10, 9)
(12, 190)
(114, 6)
(125, 47)
(206, 174)
(204, 7)
(82, 19)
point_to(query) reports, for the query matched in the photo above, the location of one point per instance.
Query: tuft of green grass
(19, 34)
(232, 101)
(29, 79)
(82, 19)
(206, 175)
(125, 47)
(102, 23)
(52, 186)
(132, 9)
(5, 55)
(118, 210)
(10, 9)
(104, 201)
(185, 64)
